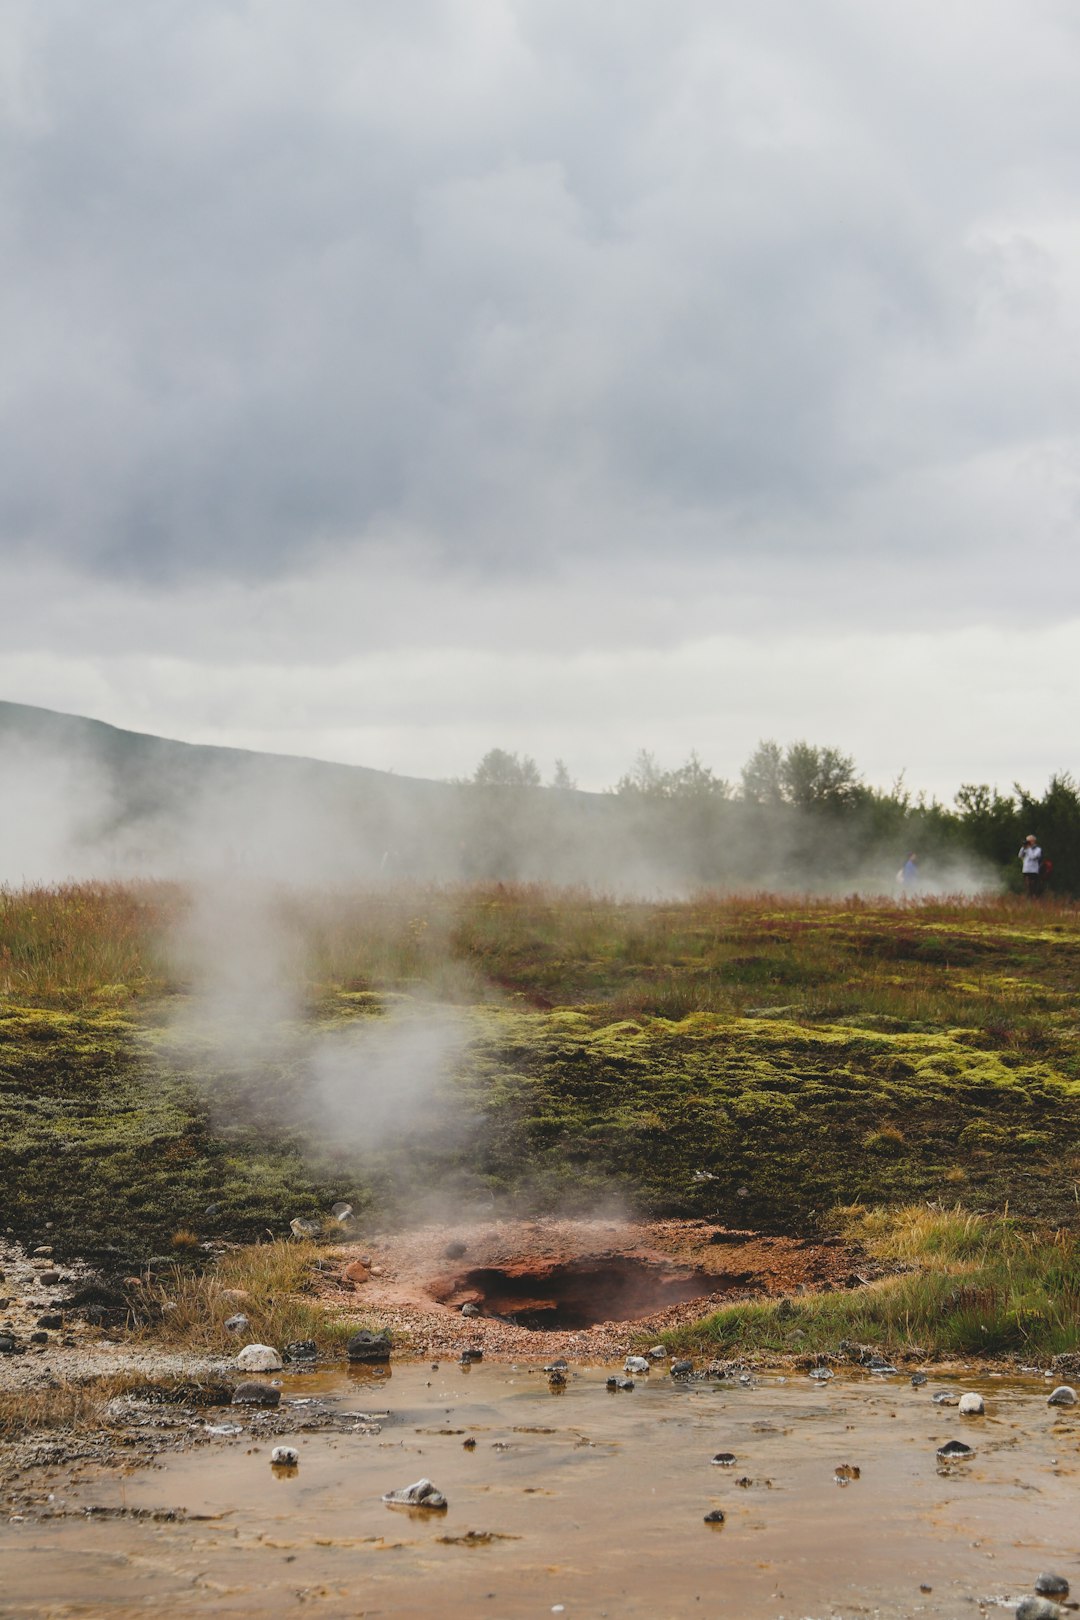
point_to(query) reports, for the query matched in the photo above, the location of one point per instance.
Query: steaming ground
(83, 800)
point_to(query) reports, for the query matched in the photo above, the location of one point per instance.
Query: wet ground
(583, 1502)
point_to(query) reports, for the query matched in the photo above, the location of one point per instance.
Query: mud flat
(572, 1501)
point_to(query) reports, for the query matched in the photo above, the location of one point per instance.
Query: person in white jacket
(1031, 863)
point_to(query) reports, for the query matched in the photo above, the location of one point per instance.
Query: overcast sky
(391, 381)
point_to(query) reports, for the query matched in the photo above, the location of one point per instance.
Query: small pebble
(715, 1517)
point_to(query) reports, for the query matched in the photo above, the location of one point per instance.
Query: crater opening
(562, 1294)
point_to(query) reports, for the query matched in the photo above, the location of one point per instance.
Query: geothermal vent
(577, 1293)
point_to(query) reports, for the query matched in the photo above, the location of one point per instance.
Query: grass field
(761, 1060)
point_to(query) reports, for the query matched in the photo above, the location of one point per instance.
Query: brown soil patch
(586, 1289)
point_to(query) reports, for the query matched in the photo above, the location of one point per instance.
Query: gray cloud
(514, 282)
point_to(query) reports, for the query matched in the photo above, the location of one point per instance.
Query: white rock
(971, 1405)
(1064, 1395)
(636, 1364)
(284, 1457)
(259, 1358)
(1038, 1608)
(423, 1495)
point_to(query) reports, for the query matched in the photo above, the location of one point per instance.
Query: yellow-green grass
(975, 1285)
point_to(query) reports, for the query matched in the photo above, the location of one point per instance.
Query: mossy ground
(757, 1061)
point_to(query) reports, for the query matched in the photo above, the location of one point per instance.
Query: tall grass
(272, 1284)
(978, 1285)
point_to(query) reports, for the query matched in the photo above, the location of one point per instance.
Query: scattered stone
(1050, 1585)
(469, 1356)
(557, 1378)
(224, 1428)
(953, 1450)
(715, 1517)
(7, 1344)
(236, 1324)
(422, 1495)
(1067, 1362)
(972, 1405)
(918, 1379)
(469, 1309)
(342, 1213)
(1064, 1395)
(48, 1278)
(681, 1369)
(636, 1364)
(252, 1394)
(657, 1353)
(285, 1457)
(846, 1473)
(301, 1350)
(1038, 1608)
(211, 1211)
(469, 1444)
(52, 1319)
(724, 1459)
(615, 1382)
(455, 1250)
(369, 1347)
(945, 1397)
(356, 1272)
(883, 1367)
(821, 1374)
(39, 1338)
(259, 1358)
(43, 1248)
(302, 1228)
(558, 1365)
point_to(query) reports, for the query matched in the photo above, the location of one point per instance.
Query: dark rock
(918, 1379)
(715, 1517)
(369, 1347)
(724, 1459)
(469, 1309)
(620, 1383)
(51, 1320)
(252, 1394)
(1050, 1585)
(953, 1450)
(301, 1350)
(39, 1338)
(7, 1344)
(681, 1369)
(558, 1365)
(48, 1278)
(469, 1356)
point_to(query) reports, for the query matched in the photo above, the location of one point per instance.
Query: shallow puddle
(594, 1502)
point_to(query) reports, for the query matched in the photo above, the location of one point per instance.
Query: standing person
(909, 874)
(1031, 864)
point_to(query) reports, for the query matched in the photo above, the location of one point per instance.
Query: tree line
(804, 814)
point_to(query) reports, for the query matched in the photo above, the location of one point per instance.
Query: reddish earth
(587, 1289)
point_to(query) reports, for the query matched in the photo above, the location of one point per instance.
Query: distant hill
(80, 797)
